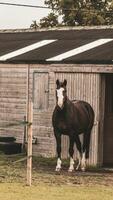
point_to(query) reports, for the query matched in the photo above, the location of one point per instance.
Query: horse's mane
(74, 100)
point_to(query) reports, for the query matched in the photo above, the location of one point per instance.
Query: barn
(30, 63)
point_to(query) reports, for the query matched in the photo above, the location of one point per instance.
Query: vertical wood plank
(41, 90)
(29, 147)
(13, 99)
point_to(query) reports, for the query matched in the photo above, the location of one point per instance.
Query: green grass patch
(46, 192)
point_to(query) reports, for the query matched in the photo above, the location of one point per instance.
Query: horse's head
(61, 93)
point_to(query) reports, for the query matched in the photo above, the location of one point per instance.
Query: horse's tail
(87, 135)
(91, 115)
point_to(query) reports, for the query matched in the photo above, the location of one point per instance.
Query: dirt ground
(44, 172)
(93, 176)
(95, 183)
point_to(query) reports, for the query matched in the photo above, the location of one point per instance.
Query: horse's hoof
(77, 168)
(57, 169)
(83, 169)
(70, 170)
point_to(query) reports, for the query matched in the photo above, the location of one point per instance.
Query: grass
(48, 185)
(46, 192)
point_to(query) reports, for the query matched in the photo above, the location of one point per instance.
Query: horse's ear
(57, 82)
(65, 82)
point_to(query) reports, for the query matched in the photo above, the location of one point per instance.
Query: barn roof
(59, 46)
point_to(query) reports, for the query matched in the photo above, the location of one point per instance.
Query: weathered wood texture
(81, 85)
(29, 146)
(20, 83)
(102, 114)
(41, 90)
(41, 84)
(13, 81)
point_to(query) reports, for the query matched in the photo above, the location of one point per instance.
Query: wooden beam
(29, 147)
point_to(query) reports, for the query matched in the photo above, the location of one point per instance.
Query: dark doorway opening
(108, 122)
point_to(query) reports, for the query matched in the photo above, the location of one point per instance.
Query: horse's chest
(62, 124)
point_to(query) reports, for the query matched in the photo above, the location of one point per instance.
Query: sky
(12, 17)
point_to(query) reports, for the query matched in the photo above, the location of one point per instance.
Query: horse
(72, 118)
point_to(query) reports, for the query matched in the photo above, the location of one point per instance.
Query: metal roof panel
(65, 41)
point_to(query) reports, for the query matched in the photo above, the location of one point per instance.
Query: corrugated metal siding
(83, 86)
(13, 96)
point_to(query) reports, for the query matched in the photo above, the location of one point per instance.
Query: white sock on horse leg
(59, 162)
(71, 167)
(83, 162)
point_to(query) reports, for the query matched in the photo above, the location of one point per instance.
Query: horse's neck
(67, 106)
(67, 103)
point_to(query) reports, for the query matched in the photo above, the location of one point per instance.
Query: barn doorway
(108, 122)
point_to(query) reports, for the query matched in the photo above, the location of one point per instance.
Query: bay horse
(72, 118)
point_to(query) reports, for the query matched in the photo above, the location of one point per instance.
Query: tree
(50, 21)
(83, 12)
(34, 25)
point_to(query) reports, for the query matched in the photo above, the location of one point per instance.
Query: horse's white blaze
(60, 97)
(71, 167)
(59, 162)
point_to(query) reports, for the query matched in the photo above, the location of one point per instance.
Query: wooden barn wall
(41, 84)
(101, 97)
(13, 96)
(18, 83)
(85, 86)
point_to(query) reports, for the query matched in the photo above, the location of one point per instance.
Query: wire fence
(54, 8)
(13, 124)
(27, 124)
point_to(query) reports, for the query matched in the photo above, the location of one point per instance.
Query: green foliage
(34, 25)
(82, 12)
(50, 21)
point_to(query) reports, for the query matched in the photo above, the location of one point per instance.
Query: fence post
(24, 136)
(29, 146)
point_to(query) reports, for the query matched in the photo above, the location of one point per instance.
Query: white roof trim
(79, 50)
(25, 49)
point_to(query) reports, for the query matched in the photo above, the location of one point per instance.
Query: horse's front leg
(71, 152)
(58, 149)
